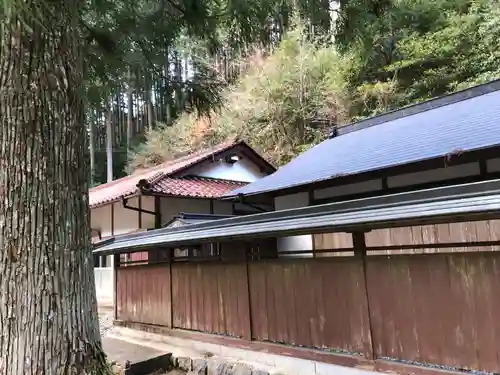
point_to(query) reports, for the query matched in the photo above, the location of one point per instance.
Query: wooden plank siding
(310, 303)
(143, 294)
(439, 308)
(431, 308)
(486, 230)
(211, 297)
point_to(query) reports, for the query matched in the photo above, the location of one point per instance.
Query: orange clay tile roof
(196, 187)
(127, 186)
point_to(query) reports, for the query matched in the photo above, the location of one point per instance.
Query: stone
(242, 369)
(184, 363)
(200, 366)
(259, 372)
(219, 367)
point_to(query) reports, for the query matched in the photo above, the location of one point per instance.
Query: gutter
(241, 199)
(98, 231)
(156, 213)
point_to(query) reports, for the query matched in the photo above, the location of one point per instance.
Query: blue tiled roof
(465, 121)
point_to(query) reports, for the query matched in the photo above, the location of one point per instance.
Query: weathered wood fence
(426, 308)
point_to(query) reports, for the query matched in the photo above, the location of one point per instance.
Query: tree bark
(109, 144)
(130, 110)
(48, 314)
(93, 119)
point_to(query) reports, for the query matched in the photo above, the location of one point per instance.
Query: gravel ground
(105, 321)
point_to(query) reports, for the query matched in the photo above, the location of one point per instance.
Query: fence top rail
(458, 202)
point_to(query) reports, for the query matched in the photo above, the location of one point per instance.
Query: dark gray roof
(465, 121)
(468, 201)
(195, 218)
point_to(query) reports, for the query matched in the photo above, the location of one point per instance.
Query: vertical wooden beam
(359, 243)
(112, 219)
(158, 212)
(483, 167)
(249, 335)
(170, 263)
(116, 266)
(139, 205)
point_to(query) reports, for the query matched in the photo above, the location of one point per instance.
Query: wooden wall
(423, 308)
(486, 230)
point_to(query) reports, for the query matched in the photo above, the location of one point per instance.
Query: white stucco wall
(440, 174)
(408, 179)
(100, 218)
(243, 170)
(293, 243)
(104, 285)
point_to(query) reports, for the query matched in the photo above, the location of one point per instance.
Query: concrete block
(259, 372)
(184, 363)
(200, 366)
(219, 367)
(242, 369)
(329, 369)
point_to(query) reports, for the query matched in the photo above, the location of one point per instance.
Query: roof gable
(465, 121)
(168, 174)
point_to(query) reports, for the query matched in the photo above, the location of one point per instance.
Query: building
(449, 140)
(434, 166)
(153, 197)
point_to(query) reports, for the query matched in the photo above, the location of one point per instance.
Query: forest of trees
(286, 72)
(102, 80)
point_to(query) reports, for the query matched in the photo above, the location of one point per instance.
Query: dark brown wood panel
(316, 303)
(449, 233)
(211, 298)
(439, 308)
(143, 294)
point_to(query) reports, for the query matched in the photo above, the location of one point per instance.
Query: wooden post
(359, 243)
(116, 266)
(249, 335)
(170, 262)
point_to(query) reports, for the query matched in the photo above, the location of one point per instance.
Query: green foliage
(282, 103)
(392, 53)
(423, 49)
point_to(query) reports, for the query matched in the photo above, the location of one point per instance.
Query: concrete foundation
(259, 362)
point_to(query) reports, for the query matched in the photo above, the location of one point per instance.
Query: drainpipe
(98, 231)
(156, 213)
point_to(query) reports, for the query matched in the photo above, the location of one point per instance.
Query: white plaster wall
(125, 220)
(100, 218)
(440, 174)
(293, 243)
(243, 170)
(147, 220)
(104, 285)
(407, 179)
(357, 188)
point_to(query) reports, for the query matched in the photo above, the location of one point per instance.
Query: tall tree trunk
(130, 110)
(93, 119)
(179, 100)
(48, 316)
(148, 103)
(168, 93)
(109, 144)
